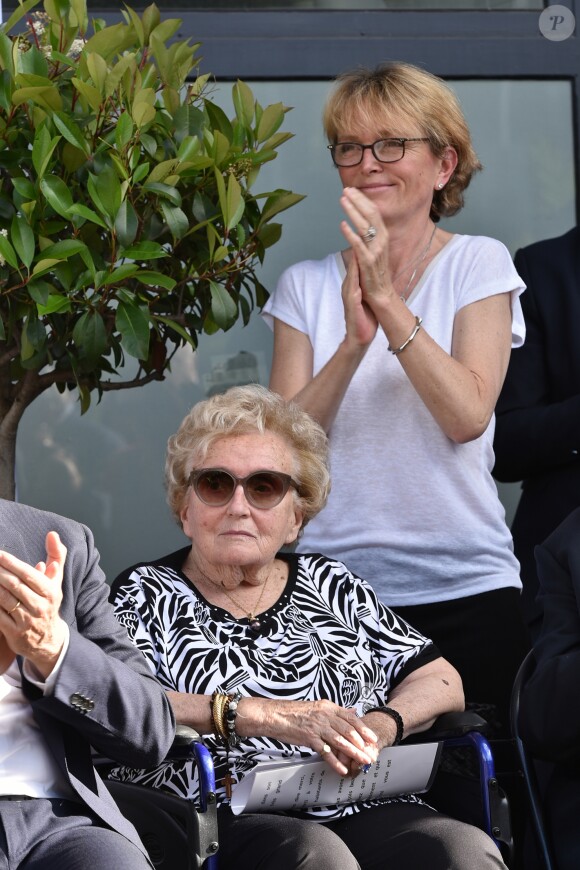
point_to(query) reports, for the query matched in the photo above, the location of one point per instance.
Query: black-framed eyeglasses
(263, 489)
(384, 150)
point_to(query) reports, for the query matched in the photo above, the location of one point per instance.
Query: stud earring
(440, 185)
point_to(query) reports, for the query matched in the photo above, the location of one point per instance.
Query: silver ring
(325, 749)
(370, 234)
(18, 603)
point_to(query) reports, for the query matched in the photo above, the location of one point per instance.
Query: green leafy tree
(129, 221)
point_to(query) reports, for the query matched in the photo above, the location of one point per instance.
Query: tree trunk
(7, 458)
(12, 407)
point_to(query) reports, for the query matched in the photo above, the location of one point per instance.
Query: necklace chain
(251, 614)
(418, 260)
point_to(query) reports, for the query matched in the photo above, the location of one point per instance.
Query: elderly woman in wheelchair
(275, 655)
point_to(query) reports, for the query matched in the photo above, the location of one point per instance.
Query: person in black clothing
(537, 438)
(549, 707)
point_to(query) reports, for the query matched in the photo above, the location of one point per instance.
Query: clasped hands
(368, 276)
(30, 598)
(341, 737)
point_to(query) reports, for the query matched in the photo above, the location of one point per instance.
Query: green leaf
(144, 251)
(126, 223)
(47, 97)
(221, 187)
(156, 279)
(6, 56)
(23, 240)
(223, 308)
(18, 13)
(243, 100)
(178, 328)
(33, 337)
(270, 234)
(24, 188)
(64, 249)
(163, 170)
(176, 220)
(8, 252)
(188, 148)
(141, 172)
(133, 324)
(55, 303)
(218, 120)
(42, 150)
(105, 190)
(39, 291)
(98, 70)
(278, 201)
(71, 132)
(235, 204)
(124, 130)
(164, 190)
(89, 93)
(57, 194)
(117, 276)
(143, 110)
(34, 62)
(5, 88)
(271, 120)
(43, 266)
(87, 213)
(90, 333)
(220, 253)
(110, 41)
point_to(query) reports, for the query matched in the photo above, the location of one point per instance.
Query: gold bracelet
(418, 322)
(218, 707)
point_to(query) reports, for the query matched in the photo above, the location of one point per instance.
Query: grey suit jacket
(105, 695)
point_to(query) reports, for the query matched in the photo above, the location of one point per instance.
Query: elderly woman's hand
(337, 734)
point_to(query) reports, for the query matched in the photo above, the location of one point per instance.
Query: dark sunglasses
(263, 489)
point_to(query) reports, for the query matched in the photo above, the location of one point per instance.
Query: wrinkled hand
(372, 258)
(30, 600)
(337, 734)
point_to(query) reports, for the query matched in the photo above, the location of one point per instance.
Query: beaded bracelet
(396, 350)
(231, 712)
(224, 709)
(394, 714)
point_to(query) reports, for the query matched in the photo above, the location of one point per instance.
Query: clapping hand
(30, 598)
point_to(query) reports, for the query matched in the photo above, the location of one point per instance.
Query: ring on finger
(370, 234)
(18, 603)
(325, 749)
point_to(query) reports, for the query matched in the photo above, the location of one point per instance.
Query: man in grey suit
(70, 681)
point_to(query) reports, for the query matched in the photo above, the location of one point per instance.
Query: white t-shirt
(411, 511)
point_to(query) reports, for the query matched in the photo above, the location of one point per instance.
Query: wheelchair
(180, 835)
(177, 833)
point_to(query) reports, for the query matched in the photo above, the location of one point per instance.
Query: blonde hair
(371, 97)
(243, 410)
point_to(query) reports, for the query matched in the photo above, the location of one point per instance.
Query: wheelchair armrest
(184, 742)
(450, 725)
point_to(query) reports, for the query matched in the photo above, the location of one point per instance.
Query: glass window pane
(106, 467)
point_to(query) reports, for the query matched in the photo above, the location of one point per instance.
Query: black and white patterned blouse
(327, 636)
